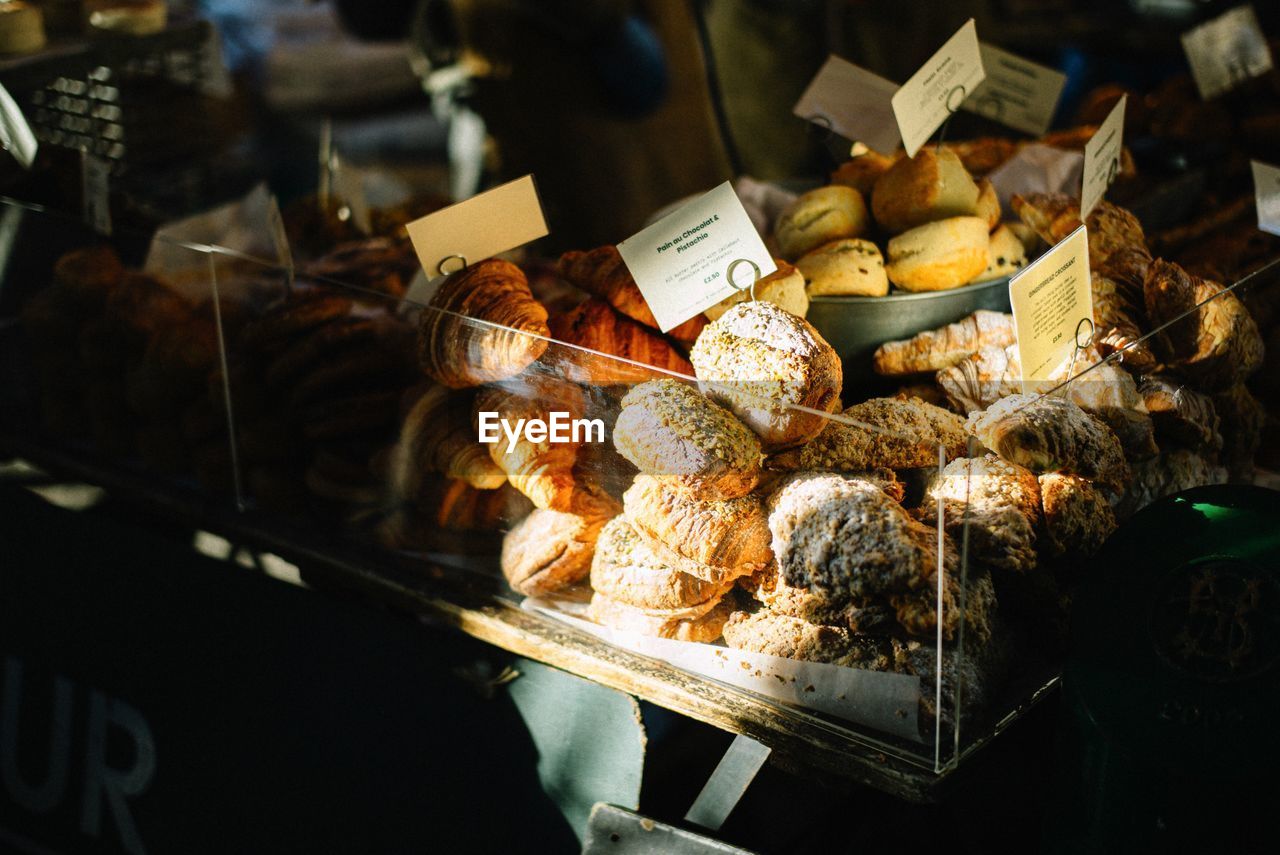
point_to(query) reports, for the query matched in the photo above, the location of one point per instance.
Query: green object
(589, 737)
(1172, 683)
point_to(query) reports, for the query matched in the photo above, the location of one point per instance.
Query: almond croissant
(1056, 215)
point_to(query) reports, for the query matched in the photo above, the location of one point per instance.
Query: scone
(1005, 255)
(731, 537)
(988, 206)
(845, 536)
(879, 433)
(820, 216)
(940, 255)
(669, 430)
(761, 362)
(784, 288)
(862, 172)
(776, 634)
(933, 185)
(848, 267)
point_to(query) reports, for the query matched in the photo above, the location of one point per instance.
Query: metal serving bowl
(856, 326)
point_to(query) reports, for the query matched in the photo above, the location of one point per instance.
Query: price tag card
(853, 102)
(688, 261)
(1266, 190)
(1102, 158)
(1050, 298)
(938, 89)
(1226, 51)
(95, 187)
(1017, 92)
(495, 221)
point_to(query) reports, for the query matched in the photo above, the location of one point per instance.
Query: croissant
(594, 325)
(1180, 414)
(543, 471)
(602, 273)
(1051, 434)
(461, 507)
(1208, 333)
(437, 436)
(460, 353)
(549, 551)
(1115, 327)
(934, 350)
(1056, 215)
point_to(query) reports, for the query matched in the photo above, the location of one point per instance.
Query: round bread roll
(850, 267)
(1006, 255)
(670, 430)
(784, 288)
(933, 185)
(761, 362)
(818, 217)
(862, 172)
(988, 206)
(21, 28)
(939, 255)
(549, 550)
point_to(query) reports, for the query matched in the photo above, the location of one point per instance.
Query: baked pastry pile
(1147, 406)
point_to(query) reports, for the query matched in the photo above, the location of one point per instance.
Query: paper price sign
(1102, 158)
(495, 221)
(938, 89)
(1051, 298)
(1017, 92)
(696, 256)
(1225, 52)
(1266, 190)
(852, 102)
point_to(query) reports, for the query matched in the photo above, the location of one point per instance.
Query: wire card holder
(749, 287)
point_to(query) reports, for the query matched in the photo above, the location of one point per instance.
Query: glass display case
(860, 552)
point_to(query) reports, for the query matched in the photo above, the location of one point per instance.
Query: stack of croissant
(485, 344)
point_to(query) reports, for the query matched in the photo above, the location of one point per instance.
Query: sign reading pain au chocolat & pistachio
(696, 256)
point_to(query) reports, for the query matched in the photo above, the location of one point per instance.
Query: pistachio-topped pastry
(671, 431)
(729, 537)
(625, 569)
(763, 362)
